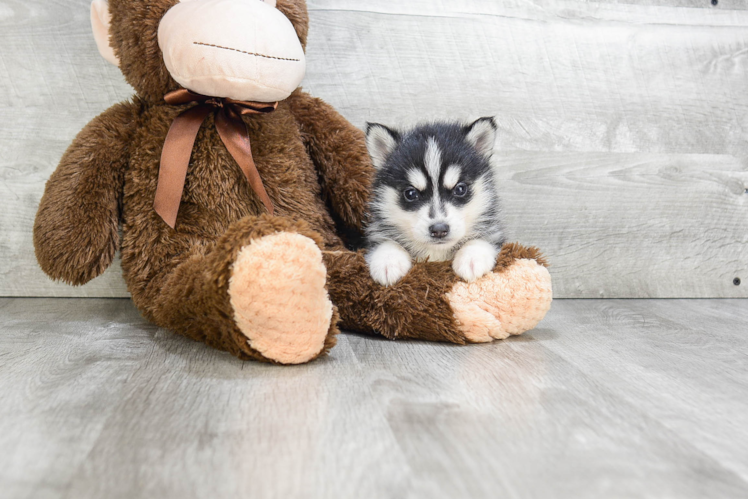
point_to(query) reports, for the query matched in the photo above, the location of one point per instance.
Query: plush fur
(204, 278)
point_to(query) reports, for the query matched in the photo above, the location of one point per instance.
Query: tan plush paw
(277, 291)
(503, 303)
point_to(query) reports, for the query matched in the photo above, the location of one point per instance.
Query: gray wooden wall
(622, 152)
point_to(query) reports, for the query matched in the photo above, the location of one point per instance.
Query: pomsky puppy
(433, 198)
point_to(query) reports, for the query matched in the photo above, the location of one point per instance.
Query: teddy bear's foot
(277, 291)
(508, 302)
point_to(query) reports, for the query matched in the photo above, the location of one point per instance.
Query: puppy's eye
(460, 190)
(411, 194)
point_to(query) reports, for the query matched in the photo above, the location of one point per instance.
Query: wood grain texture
(631, 224)
(52, 82)
(622, 123)
(609, 398)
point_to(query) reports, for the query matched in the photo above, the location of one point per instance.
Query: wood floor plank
(669, 359)
(607, 398)
(198, 423)
(515, 419)
(64, 365)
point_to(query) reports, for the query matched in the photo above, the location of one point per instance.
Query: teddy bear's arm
(338, 150)
(76, 227)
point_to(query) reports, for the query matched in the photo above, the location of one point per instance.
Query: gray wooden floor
(633, 398)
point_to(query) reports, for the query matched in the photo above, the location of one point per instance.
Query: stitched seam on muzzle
(245, 52)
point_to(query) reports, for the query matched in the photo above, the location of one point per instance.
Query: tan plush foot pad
(500, 304)
(277, 290)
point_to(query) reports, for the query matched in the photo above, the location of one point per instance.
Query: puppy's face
(433, 183)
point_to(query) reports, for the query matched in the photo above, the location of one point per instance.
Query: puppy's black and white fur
(433, 198)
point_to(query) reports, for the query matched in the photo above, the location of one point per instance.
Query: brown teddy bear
(236, 191)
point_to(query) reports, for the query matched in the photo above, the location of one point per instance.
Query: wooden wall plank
(52, 82)
(650, 89)
(631, 224)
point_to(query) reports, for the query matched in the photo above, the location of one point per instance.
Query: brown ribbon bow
(175, 157)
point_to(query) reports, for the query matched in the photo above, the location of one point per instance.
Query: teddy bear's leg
(259, 292)
(431, 303)
(508, 301)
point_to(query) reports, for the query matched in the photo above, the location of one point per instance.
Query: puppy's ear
(380, 142)
(482, 135)
(100, 20)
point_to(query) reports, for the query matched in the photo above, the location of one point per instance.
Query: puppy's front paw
(388, 263)
(474, 259)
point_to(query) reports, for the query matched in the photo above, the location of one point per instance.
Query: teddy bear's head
(250, 50)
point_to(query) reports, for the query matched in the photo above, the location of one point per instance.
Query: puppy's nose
(439, 230)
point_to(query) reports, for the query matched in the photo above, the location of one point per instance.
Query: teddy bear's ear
(100, 19)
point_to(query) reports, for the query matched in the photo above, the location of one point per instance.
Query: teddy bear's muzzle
(240, 49)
